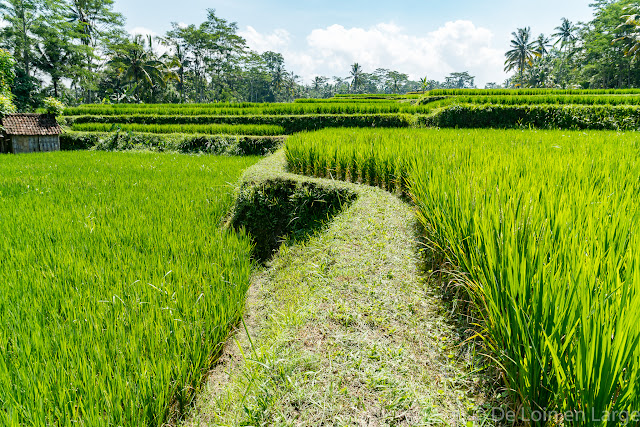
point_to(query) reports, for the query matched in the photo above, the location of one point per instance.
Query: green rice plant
(118, 284)
(532, 91)
(543, 228)
(594, 117)
(207, 129)
(291, 124)
(335, 106)
(548, 99)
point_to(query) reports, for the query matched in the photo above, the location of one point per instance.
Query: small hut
(28, 133)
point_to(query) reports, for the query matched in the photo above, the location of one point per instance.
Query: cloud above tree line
(455, 46)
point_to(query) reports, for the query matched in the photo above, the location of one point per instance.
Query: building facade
(29, 133)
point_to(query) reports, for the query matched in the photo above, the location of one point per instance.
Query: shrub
(54, 106)
(184, 143)
(6, 105)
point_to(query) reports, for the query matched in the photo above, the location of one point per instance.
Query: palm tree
(566, 33)
(356, 76)
(543, 44)
(177, 62)
(138, 65)
(318, 83)
(522, 53)
(632, 39)
(424, 84)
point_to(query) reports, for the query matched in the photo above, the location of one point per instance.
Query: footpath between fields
(343, 324)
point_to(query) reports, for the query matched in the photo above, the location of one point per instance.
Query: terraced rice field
(120, 284)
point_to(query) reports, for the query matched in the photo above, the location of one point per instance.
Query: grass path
(345, 330)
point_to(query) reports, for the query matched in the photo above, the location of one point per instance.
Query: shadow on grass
(448, 285)
(276, 210)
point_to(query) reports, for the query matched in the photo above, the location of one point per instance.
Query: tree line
(601, 53)
(78, 51)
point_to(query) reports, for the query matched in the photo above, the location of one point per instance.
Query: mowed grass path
(346, 329)
(117, 284)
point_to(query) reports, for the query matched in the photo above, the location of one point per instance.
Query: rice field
(543, 227)
(207, 129)
(531, 91)
(118, 284)
(302, 107)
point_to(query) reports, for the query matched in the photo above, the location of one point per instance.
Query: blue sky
(427, 37)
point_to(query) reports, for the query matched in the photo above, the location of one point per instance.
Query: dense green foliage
(520, 92)
(601, 53)
(7, 75)
(233, 145)
(543, 226)
(118, 284)
(552, 99)
(277, 208)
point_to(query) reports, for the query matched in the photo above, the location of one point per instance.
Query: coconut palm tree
(632, 38)
(138, 65)
(522, 53)
(356, 76)
(177, 61)
(424, 84)
(566, 33)
(543, 44)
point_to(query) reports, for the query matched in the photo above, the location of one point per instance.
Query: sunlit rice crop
(118, 284)
(544, 227)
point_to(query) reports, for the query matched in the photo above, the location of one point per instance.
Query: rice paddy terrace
(121, 282)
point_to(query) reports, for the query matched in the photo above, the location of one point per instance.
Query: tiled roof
(31, 124)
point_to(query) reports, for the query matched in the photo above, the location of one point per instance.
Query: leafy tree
(459, 80)
(94, 19)
(21, 16)
(396, 81)
(7, 75)
(55, 52)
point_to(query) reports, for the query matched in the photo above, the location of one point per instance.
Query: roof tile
(31, 124)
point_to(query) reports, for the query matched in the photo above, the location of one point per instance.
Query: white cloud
(456, 46)
(158, 47)
(142, 31)
(276, 41)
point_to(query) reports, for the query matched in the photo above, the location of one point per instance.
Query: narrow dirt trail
(345, 330)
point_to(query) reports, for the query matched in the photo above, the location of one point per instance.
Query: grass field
(543, 228)
(118, 284)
